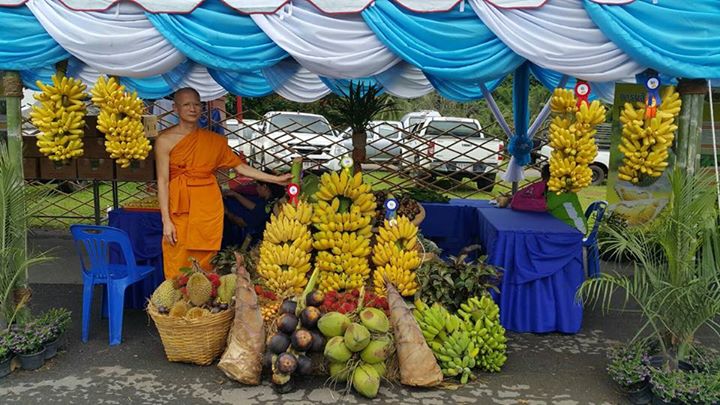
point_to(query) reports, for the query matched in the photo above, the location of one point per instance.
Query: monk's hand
(284, 179)
(169, 233)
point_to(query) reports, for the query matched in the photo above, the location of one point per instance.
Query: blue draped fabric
(219, 37)
(461, 91)
(30, 76)
(157, 86)
(245, 84)
(452, 45)
(451, 239)
(679, 38)
(543, 268)
(24, 43)
(520, 144)
(551, 79)
(341, 87)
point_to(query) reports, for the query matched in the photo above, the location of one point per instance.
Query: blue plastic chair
(94, 244)
(590, 242)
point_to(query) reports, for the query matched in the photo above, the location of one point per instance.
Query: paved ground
(541, 369)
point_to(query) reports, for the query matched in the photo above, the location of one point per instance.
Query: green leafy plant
(676, 286)
(452, 282)
(5, 351)
(54, 322)
(26, 340)
(627, 364)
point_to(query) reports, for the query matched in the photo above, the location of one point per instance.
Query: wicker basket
(198, 341)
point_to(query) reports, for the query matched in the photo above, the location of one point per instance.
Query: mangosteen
(163, 310)
(286, 363)
(315, 298)
(278, 343)
(304, 366)
(223, 307)
(318, 342)
(214, 310)
(301, 340)
(268, 361)
(287, 323)
(288, 307)
(309, 317)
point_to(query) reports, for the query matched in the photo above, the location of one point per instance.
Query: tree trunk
(687, 146)
(359, 141)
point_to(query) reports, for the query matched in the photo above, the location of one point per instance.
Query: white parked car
(383, 141)
(455, 147)
(416, 117)
(283, 136)
(240, 136)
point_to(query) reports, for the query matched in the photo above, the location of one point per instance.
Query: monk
(190, 198)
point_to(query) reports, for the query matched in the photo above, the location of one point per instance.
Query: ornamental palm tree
(677, 284)
(17, 204)
(356, 109)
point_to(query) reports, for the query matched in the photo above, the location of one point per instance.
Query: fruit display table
(145, 231)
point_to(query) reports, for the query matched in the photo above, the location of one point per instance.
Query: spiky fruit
(226, 291)
(179, 309)
(199, 289)
(165, 295)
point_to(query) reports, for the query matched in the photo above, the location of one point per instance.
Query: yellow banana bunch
(343, 220)
(60, 118)
(645, 141)
(404, 280)
(302, 212)
(120, 119)
(395, 256)
(403, 233)
(572, 137)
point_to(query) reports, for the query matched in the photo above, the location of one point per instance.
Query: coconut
(333, 324)
(366, 381)
(380, 368)
(336, 351)
(339, 371)
(376, 351)
(375, 320)
(357, 337)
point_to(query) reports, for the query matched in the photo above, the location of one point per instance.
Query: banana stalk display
(60, 117)
(120, 119)
(395, 257)
(471, 339)
(646, 141)
(343, 214)
(286, 249)
(572, 137)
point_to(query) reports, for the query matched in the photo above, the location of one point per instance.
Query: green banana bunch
(482, 317)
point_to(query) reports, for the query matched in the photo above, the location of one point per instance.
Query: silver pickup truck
(455, 147)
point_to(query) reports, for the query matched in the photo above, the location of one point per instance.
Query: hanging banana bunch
(572, 137)
(342, 217)
(60, 117)
(120, 119)
(646, 140)
(286, 249)
(396, 258)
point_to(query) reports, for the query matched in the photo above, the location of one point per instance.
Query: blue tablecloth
(450, 226)
(542, 260)
(145, 231)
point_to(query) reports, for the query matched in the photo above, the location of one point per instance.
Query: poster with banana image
(638, 201)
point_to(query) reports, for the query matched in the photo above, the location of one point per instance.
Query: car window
(453, 128)
(299, 123)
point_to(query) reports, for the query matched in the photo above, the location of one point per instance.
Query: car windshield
(454, 128)
(299, 123)
(383, 131)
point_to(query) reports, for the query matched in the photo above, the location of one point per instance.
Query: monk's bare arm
(163, 146)
(244, 169)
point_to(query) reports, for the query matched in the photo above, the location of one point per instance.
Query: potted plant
(27, 344)
(677, 285)
(699, 388)
(627, 367)
(5, 356)
(52, 326)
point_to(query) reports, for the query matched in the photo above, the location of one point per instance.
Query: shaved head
(185, 91)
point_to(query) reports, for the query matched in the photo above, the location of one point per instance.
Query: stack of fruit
(572, 137)
(357, 351)
(296, 336)
(407, 206)
(120, 119)
(269, 303)
(343, 214)
(347, 302)
(60, 117)
(195, 294)
(472, 338)
(396, 257)
(286, 249)
(646, 141)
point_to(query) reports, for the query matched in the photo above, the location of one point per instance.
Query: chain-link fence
(455, 157)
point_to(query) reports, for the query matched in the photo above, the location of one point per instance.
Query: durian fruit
(165, 295)
(179, 309)
(226, 291)
(199, 289)
(196, 312)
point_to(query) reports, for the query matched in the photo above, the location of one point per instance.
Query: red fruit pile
(348, 301)
(181, 283)
(264, 294)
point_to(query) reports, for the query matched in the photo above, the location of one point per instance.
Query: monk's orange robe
(195, 199)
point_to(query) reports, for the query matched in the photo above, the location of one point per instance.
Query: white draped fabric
(295, 83)
(559, 36)
(405, 80)
(156, 6)
(340, 47)
(120, 41)
(198, 78)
